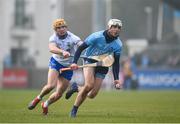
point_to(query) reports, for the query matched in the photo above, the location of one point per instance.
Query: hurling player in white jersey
(62, 44)
(101, 42)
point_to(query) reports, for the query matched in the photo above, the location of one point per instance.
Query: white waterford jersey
(68, 44)
(98, 45)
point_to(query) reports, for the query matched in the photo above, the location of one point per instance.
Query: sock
(75, 107)
(46, 103)
(40, 98)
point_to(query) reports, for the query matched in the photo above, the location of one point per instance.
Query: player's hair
(114, 22)
(58, 23)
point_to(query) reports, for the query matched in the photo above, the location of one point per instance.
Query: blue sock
(74, 111)
(75, 107)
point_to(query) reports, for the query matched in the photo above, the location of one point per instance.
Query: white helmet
(114, 22)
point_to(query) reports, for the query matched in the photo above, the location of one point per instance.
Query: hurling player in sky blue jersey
(62, 44)
(98, 43)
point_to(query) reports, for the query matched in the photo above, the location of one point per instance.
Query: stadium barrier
(15, 78)
(144, 79)
(158, 79)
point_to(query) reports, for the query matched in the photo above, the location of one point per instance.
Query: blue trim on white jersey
(68, 44)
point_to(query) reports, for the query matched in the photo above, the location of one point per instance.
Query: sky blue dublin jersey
(98, 45)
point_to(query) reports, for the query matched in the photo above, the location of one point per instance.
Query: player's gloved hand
(65, 54)
(74, 66)
(118, 84)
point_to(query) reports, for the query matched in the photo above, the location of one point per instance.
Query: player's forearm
(79, 51)
(54, 49)
(116, 67)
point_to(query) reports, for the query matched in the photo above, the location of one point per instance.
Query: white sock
(46, 103)
(39, 97)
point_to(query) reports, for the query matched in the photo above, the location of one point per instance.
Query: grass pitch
(108, 107)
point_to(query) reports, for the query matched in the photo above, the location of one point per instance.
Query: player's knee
(57, 95)
(88, 87)
(92, 95)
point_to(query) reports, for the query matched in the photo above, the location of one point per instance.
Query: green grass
(107, 107)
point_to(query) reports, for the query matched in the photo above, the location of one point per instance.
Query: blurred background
(150, 34)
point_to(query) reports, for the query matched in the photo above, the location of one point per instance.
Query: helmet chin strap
(114, 37)
(117, 36)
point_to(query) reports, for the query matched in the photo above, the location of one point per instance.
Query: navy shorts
(53, 64)
(99, 71)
